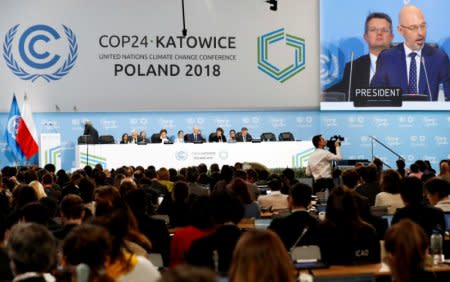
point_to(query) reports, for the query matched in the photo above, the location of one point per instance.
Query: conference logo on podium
(281, 71)
(300, 159)
(40, 51)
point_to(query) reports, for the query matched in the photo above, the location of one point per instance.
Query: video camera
(331, 142)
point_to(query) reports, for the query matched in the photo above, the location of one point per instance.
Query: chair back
(211, 136)
(286, 136)
(155, 138)
(106, 139)
(85, 139)
(268, 136)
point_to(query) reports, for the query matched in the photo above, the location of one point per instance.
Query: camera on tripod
(332, 141)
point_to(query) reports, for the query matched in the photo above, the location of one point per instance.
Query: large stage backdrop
(126, 65)
(111, 55)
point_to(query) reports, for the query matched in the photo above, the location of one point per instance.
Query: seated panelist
(125, 139)
(219, 136)
(142, 138)
(244, 136)
(163, 136)
(195, 136)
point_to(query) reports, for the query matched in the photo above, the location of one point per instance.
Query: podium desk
(406, 106)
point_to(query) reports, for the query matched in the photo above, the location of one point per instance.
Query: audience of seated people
(206, 224)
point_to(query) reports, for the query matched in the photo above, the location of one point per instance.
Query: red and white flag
(26, 133)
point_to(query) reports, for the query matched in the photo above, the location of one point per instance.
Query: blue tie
(412, 85)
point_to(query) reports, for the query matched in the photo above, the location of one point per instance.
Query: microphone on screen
(350, 78)
(422, 60)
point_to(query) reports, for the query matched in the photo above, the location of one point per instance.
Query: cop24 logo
(279, 72)
(34, 46)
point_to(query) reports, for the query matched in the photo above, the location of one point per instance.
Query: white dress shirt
(373, 66)
(408, 62)
(319, 163)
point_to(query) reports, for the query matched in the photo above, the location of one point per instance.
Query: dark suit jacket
(391, 70)
(425, 215)
(189, 138)
(91, 131)
(156, 231)
(5, 270)
(289, 229)
(360, 77)
(369, 190)
(143, 140)
(61, 233)
(348, 244)
(239, 137)
(214, 138)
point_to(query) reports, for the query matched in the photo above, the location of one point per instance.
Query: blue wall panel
(414, 135)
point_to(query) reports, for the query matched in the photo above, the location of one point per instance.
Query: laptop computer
(447, 221)
(262, 223)
(388, 218)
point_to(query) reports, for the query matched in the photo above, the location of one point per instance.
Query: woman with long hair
(260, 256)
(344, 238)
(240, 189)
(406, 249)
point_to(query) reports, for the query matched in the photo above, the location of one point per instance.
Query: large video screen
(365, 55)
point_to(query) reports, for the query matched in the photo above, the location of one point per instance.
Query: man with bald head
(195, 136)
(414, 66)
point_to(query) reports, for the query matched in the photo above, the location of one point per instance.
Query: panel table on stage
(271, 154)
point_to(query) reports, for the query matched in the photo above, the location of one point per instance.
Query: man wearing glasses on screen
(414, 66)
(378, 35)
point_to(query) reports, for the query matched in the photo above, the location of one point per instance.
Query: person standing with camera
(320, 163)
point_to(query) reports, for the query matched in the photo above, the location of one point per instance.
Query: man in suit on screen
(378, 35)
(414, 66)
